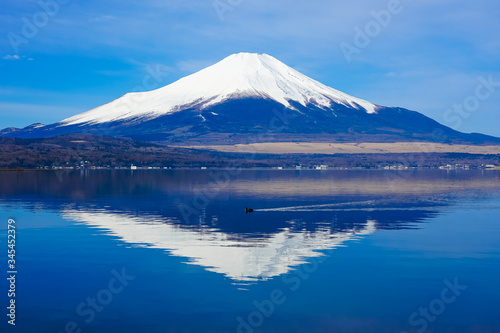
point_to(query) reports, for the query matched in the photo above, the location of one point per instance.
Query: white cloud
(15, 57)
(11, 57)
(103, 18)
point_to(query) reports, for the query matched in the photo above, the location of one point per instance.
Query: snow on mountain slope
(239, 75)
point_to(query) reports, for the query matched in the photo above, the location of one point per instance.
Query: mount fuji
(242, 96)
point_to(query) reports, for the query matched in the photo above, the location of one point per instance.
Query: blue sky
(427, 55)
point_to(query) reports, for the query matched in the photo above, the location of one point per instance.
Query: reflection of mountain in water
(241, 259)
(243, 254)
(297, 214)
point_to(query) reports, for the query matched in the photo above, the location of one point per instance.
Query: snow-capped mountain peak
(237, 76)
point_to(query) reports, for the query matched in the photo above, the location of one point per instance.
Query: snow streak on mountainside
(237, 76)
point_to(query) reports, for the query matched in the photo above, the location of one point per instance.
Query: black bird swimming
(248, 210)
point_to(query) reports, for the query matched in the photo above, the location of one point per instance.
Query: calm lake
(322, 251)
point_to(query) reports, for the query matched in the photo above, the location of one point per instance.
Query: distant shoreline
(23, 170)
(249, 168)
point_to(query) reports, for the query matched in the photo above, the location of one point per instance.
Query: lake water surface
(322, 251)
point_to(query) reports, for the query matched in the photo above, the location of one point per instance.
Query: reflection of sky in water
(385, 248)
